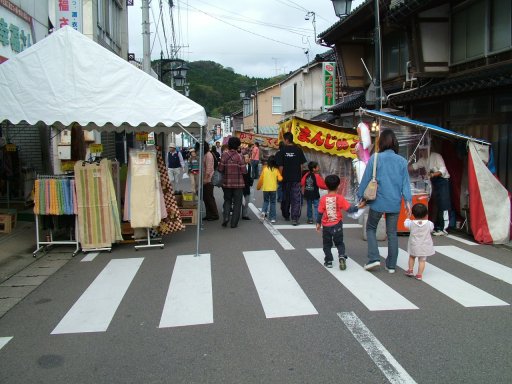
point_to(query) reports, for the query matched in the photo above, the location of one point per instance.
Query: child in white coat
(420, 244)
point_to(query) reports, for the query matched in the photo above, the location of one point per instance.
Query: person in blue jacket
(393, 184)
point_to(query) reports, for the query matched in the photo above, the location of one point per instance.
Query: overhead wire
(243, 29)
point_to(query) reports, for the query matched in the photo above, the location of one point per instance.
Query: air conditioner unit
(409, 72)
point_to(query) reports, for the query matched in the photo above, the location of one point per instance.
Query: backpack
(311, 191)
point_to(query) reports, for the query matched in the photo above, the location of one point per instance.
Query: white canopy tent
(67, 78)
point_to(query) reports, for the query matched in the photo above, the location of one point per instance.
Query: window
(276, 105)
(394, 55)
(481, 28)
(109, 17)
(501, 26)
(248, 107)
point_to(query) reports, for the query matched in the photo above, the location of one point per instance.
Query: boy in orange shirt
(331, 219)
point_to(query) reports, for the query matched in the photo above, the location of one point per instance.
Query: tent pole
(200, 190)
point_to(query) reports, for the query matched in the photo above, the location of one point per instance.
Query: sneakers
(295, 222)
(310, 221)
(390, 270)
(418, 277)
(372, 265)
(409, 273)
(273, 221)
(262, 215)
(343, 263)
(328, 264)
(440, 232)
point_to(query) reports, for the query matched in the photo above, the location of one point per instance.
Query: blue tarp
(416, 123)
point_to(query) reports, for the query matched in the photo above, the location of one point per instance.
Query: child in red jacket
(331, 219)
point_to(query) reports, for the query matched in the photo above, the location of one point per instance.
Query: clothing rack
(43, 246)
(149, 244)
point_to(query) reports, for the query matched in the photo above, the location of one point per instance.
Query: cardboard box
(189, 196)
(188, 204)
(188, 216)
(7, 221)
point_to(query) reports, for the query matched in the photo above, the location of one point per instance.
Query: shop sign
(321, 139)
(151, 138)
(251, 138)
(15, 30)
(329, 76)
(141, 136)
(69, 12)
(96, 148)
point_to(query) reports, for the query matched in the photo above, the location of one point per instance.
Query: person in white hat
(175, 165)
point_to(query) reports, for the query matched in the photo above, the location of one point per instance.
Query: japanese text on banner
(322, 139)
(264, 141)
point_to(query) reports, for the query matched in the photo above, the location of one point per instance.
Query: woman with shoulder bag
(392, 177)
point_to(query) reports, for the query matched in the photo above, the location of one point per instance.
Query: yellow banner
(141, 136)
(309, 135)
(251, 138)
(96, 148)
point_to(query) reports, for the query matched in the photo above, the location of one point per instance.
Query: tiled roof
(350, 102)
(325, 116)
(486, 78)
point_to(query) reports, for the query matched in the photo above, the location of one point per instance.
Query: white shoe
(390, 270)
(371, 266)
(439, 233)
(273, 221)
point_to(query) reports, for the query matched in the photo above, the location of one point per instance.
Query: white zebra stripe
(95, 309)
(480, 263)
(279, 292)
(369, 290)
(455, 288)
(189, 299)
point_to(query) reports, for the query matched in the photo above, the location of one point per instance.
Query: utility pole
(146, 55)
(377, 76)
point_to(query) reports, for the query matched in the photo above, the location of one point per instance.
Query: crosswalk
(190, 296)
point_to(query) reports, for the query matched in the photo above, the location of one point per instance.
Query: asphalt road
(277, 316)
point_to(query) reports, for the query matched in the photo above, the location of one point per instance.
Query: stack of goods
(188, 208)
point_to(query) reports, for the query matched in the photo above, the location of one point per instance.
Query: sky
(257, 38)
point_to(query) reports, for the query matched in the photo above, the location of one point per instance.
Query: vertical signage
(15, 30)
(329, 76)
(69, 12)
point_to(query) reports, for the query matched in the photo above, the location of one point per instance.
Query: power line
(243, 29)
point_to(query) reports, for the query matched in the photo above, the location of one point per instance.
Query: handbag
(370, 192)
(217, 179)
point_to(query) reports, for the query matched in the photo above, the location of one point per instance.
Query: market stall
(477, 196)
(332, 147)
(67, 79)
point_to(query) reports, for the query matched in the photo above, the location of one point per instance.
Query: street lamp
(342, 7)
(178, 69)
(247, 95)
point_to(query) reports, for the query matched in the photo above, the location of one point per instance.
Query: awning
(67, 78)
(416, 123)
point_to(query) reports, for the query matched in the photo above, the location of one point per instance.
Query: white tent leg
(200, 189)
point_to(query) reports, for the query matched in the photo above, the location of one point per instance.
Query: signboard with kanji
(309, 135)
(69, 12)
(329, 77)
(16, 33)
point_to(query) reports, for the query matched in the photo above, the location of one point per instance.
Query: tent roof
(416, 123)
(67, 78)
